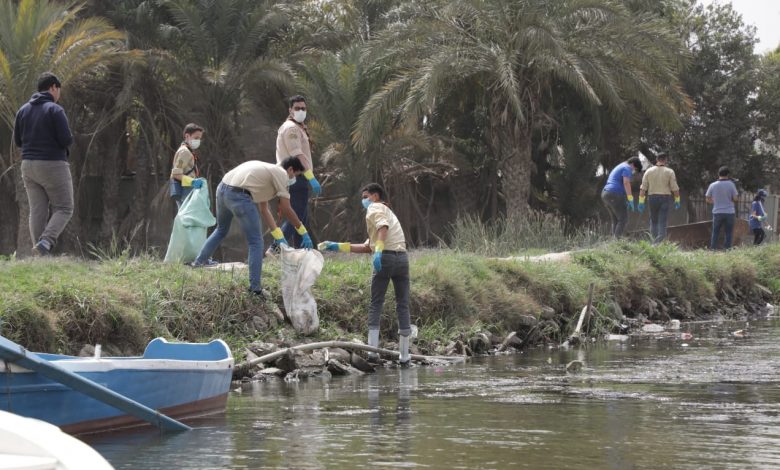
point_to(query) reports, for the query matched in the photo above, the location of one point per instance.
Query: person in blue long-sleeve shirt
(757, 216)
(617, 195)
(41, 131)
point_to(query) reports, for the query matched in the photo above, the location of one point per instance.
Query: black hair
(374, 188)
(292, 162)
(723, 171)
(295, 99)
(46, 80)
(192, 128)
(761, 194)
(662, 156)
(635, 162)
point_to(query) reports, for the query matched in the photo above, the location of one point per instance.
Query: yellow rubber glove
(186, 181)
(315, 185)
(278, 236)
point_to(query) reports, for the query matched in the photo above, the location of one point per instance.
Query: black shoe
(40, 250)
(260, 294)
(405, 364)
(209, 263)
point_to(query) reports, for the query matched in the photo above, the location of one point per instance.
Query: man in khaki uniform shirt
(244, 193)
(390, 262)
(659, 183)
(292, 140)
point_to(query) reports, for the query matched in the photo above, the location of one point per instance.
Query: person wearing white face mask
(185, 164)
(292, 140)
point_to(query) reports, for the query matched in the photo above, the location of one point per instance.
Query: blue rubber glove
(306, 241)
(329, 246)
(640, 207)
(377, 261)
(676, 205)
(630, 206)
(197, 184)
(316, 189)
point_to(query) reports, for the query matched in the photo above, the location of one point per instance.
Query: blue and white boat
(180, 380)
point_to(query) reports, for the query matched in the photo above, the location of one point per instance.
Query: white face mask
(299, 116)
(194, 143)
(291, 181)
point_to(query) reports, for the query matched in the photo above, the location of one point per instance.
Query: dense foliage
(480, 108)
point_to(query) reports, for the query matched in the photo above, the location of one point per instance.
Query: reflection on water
(710, 402)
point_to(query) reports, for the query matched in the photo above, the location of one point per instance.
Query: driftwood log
(242, 369)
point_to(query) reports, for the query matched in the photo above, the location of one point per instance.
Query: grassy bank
(60, 304)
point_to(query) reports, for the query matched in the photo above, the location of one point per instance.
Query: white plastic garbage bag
(300, 269)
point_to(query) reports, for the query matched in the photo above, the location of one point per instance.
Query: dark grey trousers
(395, 267)
(616, 204)
(50, 194)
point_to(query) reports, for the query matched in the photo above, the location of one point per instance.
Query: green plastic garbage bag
(189, 226)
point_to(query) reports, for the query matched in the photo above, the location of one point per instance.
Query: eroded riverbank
(461, 303)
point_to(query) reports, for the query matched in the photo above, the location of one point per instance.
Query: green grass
(535, 234)
(60, 304)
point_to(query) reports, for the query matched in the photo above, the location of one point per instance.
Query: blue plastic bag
(190, 226)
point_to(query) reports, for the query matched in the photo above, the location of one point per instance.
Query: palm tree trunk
(513, 145)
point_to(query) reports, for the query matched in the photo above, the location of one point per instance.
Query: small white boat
(31, 444)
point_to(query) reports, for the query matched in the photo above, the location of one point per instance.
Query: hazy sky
(764, 15)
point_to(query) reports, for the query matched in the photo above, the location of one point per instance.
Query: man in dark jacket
(41, 131)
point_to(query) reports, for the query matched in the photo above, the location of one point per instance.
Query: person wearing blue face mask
(390, 262)
(244, 193)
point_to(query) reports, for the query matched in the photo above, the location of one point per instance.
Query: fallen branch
(242, 368)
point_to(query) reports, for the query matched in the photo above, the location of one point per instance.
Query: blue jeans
(178, 192)
(725, 221)
(239, 204)
(659, 211)
(299, 200)
(395, 267)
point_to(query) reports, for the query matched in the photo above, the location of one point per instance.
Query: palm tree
(222, 49)
(510, 55)
(38, 36)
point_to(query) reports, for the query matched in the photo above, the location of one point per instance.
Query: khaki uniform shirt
(659, 180)
(264, 180)
(183, 162)
(379, 215)
(292, 140)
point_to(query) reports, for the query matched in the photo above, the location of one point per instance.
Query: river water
(709, 402)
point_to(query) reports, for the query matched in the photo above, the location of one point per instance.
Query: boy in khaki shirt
(391, 263)
(660, 184)
(185, 164)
